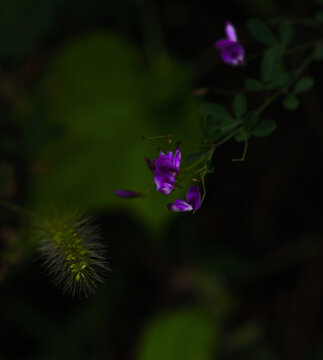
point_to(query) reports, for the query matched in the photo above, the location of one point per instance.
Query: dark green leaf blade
(242, 136)
(215, 109)
(271, 62)
(280, 82)
(254, 85)
(303, 84)
(239, 105)
(264, 128)
(250, 120)
(261, 32)
(286, 32)
(291, 102)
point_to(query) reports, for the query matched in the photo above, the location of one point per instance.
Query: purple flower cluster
(165, 168)
(231, 50)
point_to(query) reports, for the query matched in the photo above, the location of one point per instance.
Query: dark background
(80, 82)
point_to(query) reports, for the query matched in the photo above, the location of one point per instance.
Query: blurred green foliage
(183, 334)
(22, 24)
(105, 97)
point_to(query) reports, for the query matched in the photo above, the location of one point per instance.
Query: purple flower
(164, 180)
(165, 168)
(169, 161)
(231, 50)
(193, 203)
(127, 194)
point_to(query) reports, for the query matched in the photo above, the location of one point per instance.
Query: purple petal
(127, 194)
(168, 161)
(164, 180)
(150, 164)
(232, 53)
(231, 32)
(179, 206)
(177, 160)
(193, 197)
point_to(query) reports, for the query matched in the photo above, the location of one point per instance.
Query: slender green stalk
(245, 149)
(227, 138)
(195, 163)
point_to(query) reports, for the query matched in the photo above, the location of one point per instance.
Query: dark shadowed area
(81, 83)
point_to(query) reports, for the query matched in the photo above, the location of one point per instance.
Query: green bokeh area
(183, 334)
(106, 97)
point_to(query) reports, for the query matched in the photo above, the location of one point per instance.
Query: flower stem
(225, 139)
(245, 149)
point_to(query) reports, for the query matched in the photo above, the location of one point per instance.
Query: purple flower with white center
(127, 194)
(193, 202)
(165, 168)
(231, 50)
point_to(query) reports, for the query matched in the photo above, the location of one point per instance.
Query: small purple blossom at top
(193, 202)
(231, 50)
(127, 194)
(165, 168)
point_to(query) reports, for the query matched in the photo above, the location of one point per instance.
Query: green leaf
(242, 136)
(304, 84)
(281, 82)
(216, 126)
(212, 131)
(261, 32)
(239, 105)
(228, 125)
(264, 128)
(212, 136)
(250, 120)
(319, 2)
(218, 121)
(215, 109)
(291, 102)
(271, 62)
(254, 85)
(183, 334)
(318, 55)
(286, 32)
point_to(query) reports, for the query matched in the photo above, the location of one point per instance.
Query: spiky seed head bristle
(72, 251)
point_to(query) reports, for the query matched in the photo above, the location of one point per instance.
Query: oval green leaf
(271, 62)
(286, 32)
(261, 32)
(264, 128)
(254, 85)
(239, 105)
(304, 84)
